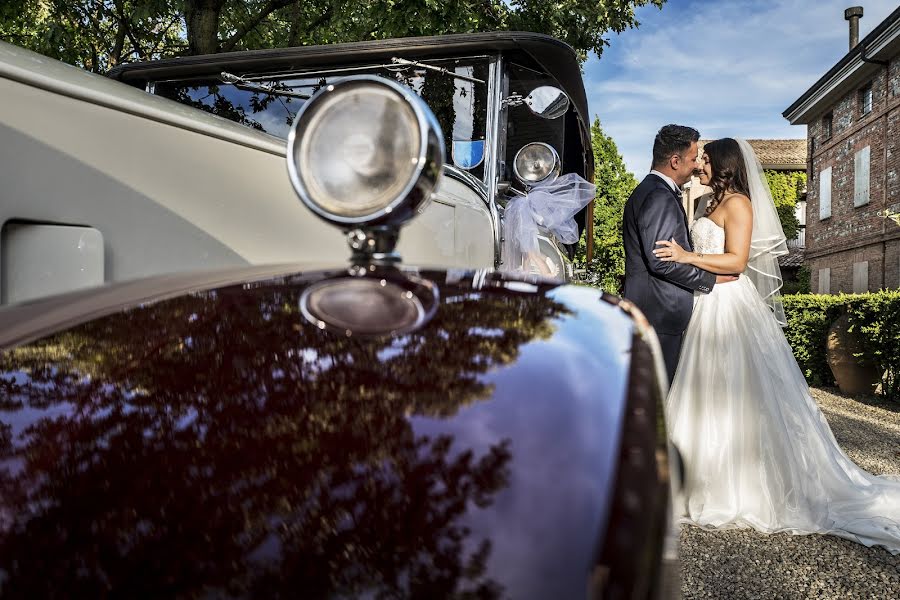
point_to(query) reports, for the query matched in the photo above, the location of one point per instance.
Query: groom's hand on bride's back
(725, 278)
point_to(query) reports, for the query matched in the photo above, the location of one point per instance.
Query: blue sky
(725, 67)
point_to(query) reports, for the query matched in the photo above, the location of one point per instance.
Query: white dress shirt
(668, 180)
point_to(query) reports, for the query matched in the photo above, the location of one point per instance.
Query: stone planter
(852, 377)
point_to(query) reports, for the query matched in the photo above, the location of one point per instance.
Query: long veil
(767, 240)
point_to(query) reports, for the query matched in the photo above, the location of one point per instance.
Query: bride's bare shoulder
(737, 209)
(736, 203)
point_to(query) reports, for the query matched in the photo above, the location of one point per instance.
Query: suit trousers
(671, 349)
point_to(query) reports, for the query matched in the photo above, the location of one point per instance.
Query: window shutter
(860, 277)
(861, 177)
(824, 281)
(825, 194)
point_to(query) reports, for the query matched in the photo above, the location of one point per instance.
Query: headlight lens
(536, 162)
(362, 147)
(359, 150)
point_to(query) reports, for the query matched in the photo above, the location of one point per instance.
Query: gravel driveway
(745, 564)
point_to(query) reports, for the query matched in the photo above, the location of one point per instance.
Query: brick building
(852, 116)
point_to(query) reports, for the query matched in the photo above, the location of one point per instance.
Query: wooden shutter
(860, 277)
(824, 281)
(825, 193)
(861, 177)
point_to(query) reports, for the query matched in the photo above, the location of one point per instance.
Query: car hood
(219, 441)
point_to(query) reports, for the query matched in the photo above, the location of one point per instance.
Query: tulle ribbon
(551, 205)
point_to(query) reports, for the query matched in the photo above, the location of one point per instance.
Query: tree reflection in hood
(219, 444)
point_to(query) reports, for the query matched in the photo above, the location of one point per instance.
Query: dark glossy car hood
(221, 443)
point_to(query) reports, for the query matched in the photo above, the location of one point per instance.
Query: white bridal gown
(757, 450)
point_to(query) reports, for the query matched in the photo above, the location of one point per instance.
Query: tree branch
(126, 25)
(116, 54)
(267, 9)
(324, 18)
(161, 43)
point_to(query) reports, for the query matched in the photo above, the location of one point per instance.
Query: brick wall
(884, 255)
(856, 234)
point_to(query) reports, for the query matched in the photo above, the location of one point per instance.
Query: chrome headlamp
(536, 162)
(365, 151)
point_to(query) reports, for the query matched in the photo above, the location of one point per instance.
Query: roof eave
(881, 44)
(784, 166)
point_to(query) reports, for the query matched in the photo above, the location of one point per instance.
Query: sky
(724, 67)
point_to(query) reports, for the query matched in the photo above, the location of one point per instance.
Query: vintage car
(177, 165)
(373, 429)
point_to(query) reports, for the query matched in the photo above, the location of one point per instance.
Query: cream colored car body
(103, 182)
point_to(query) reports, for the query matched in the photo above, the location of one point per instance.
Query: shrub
(876, 316)
(801, 285)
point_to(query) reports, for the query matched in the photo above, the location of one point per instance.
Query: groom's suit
(664, 291)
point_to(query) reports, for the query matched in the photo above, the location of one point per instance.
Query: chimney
(854, 14)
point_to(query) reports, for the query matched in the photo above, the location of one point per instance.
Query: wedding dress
(757, 450)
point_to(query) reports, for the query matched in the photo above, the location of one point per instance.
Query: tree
(614, 184)
(786, 187)
(98, 34)
(94, 34)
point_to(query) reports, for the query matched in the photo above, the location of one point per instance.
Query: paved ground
(745, 564)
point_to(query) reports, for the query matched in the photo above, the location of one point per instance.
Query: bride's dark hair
(728, 171)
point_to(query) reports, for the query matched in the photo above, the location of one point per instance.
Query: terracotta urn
(852, 377)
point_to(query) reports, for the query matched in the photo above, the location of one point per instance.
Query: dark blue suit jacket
(664, 291)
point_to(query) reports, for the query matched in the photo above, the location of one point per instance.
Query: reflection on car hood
(219, 443)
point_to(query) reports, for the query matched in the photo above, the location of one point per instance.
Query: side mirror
(548, 102)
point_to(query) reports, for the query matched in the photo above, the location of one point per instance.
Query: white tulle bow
(550, 205)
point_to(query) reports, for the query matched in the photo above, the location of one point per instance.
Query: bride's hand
(671, 252)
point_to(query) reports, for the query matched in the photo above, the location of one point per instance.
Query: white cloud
(727, 68)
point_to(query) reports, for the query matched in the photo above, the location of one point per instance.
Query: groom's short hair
(672, 139)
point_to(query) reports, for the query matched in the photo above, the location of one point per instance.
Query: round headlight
(365, 150)
(536, 162)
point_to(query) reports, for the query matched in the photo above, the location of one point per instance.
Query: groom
(664, 291)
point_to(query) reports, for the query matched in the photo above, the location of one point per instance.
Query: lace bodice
(707, 237)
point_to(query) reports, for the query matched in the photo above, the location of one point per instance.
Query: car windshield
(458, 102)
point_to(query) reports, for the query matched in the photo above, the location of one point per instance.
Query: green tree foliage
(786, 188)
(98, 34)
(801, 284)
(94, 34)
(614, 184)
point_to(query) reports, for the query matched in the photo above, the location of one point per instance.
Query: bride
(757, 450)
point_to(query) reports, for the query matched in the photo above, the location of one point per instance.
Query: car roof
(554, 56)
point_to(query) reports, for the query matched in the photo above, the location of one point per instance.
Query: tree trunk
(202, 20)
(296, 22)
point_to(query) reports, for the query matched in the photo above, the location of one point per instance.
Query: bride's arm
(738, 230)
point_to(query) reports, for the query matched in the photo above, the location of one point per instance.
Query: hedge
(876, 316)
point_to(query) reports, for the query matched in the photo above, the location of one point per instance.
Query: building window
(824, 281)
(865, 99)
(860, 277)
(861, 177)
(825, 194)
(826, 126)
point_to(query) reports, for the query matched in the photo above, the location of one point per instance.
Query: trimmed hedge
(876, 316)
